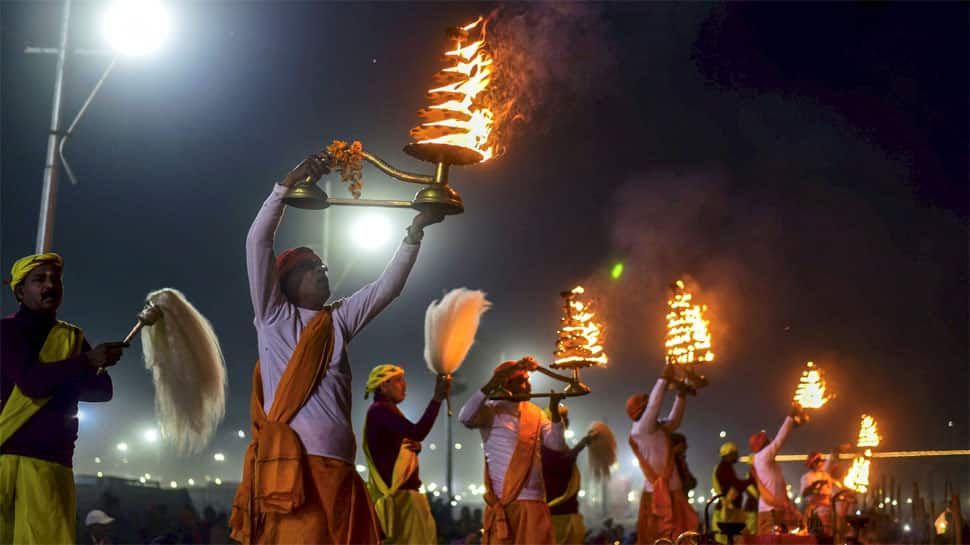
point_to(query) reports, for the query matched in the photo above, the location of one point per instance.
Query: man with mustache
(48, 366)
(299, 482)
(512, 433)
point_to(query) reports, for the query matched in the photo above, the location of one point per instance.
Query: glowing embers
(455, 128)
(810, 393)
(580, 342)
(688, 332)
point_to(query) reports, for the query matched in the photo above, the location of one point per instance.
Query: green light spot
(617, 271)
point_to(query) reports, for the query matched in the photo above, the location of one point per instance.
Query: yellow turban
(24, 265)
(728, 448)
(380, 374)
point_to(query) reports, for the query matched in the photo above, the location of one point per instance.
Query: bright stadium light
(136, 27)
(150, 435)
(122, 447)
(371, 231)
(219, 457)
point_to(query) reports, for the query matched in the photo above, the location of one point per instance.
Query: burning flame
(857, 478)
(579, 342)
(868, 433)
(454, 117)
(688, 336)
(810, 393)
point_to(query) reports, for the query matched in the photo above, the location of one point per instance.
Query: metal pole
(77, 119)
(448, 466)
(48, 197)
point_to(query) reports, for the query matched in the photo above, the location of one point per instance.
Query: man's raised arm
(264, 285)
(367, 302)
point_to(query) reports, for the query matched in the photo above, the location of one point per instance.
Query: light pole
(134, 27)
(49, 191)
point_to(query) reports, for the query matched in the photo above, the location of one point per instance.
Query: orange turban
(758, 441)
(508, 364)
(293, 258)
(635, 405)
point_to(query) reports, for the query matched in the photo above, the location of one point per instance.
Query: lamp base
(306, 196)
(438, 197)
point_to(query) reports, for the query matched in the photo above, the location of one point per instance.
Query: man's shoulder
(377, 414)
(9, 324)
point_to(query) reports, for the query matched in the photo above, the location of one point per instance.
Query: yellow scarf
(405, 466)
(63, 341)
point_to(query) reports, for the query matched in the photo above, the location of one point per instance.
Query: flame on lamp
(857, 478)
(455, 117)
(579, 342)
(868, 432)
(810, 393)
(688, 333)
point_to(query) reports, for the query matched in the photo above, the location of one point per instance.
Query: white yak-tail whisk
(183, 354)
(450, 326)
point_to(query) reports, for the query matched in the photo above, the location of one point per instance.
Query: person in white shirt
(817, 487)
(512, 433)
(664, 509)
(775, 509)
(299, 481)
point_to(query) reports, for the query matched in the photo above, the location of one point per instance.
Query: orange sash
(273, 467)
(496, 524)
(662, 505)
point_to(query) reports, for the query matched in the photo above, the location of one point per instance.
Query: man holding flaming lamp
(775, 509)
(817, 488)
(299, 482)
(512, 434)
(664, 509)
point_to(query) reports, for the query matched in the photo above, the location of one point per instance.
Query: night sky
(803, 165)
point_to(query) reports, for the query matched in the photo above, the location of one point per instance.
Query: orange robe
(508, 520)
(664, 513)
(287, 496)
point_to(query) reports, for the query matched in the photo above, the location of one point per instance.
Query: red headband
(293, 258)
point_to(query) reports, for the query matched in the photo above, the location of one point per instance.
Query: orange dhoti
(337, 509)
(651, 526)
(285, 495)
(529, 523)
